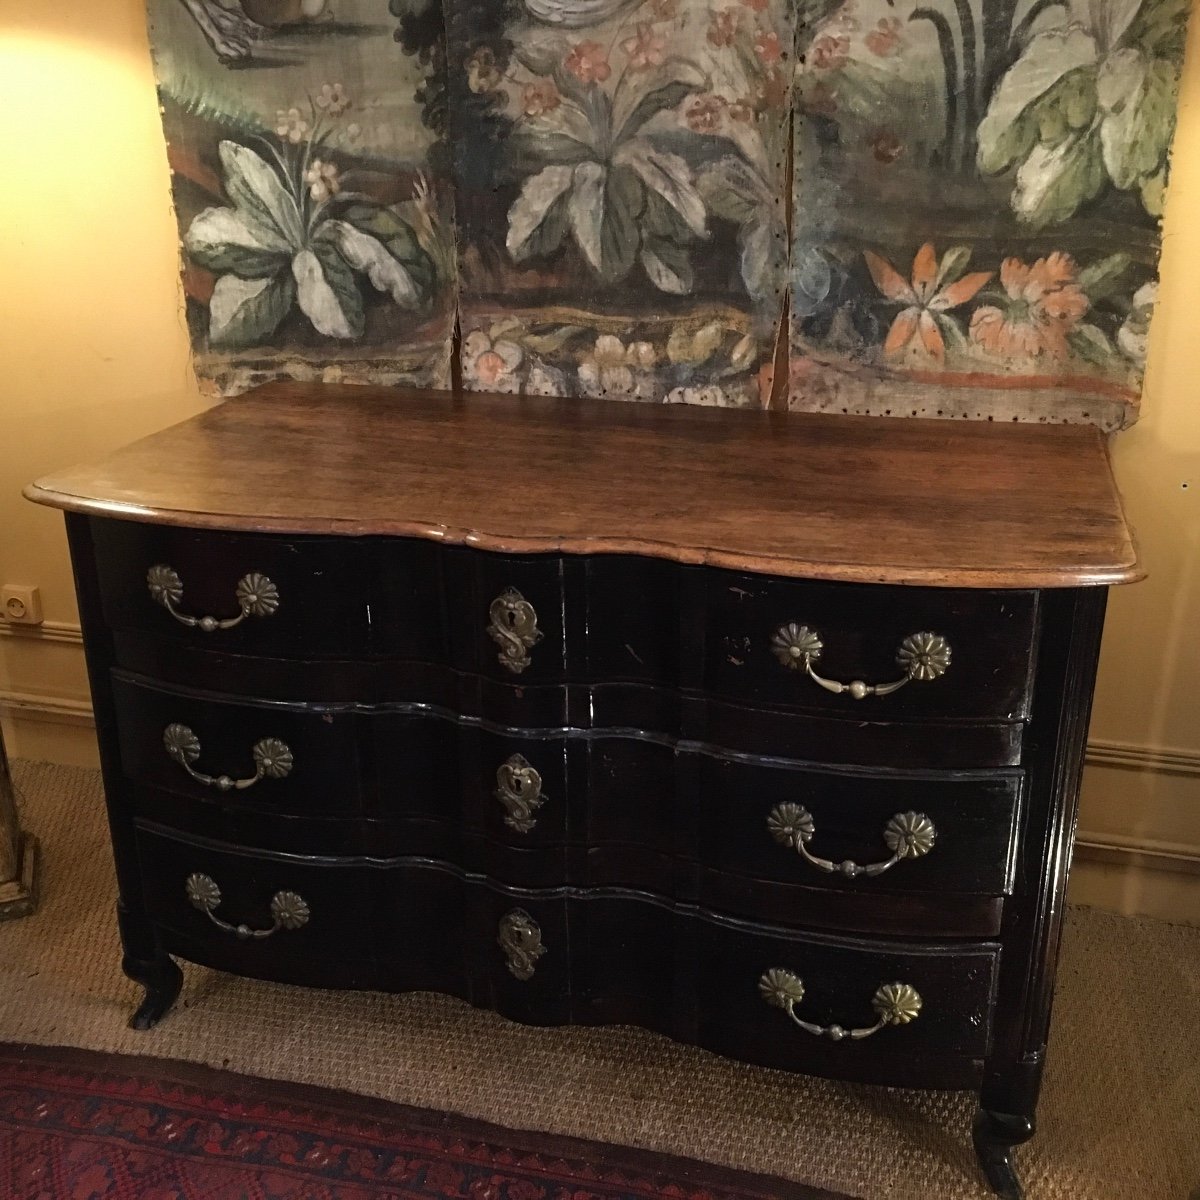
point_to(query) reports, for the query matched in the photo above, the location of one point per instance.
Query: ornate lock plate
(519, 789)
(520, 938)
(512, 625)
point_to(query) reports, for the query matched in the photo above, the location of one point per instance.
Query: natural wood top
(862, 499)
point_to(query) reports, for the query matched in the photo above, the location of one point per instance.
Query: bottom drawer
(909, 1014)
(894, 1012)
(270, 917)
(882, 1012)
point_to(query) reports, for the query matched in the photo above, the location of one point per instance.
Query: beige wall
(94, 353)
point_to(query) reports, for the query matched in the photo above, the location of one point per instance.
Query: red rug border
(309, 1099)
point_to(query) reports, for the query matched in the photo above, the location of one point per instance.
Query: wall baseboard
(47, 631)
(1129, 756)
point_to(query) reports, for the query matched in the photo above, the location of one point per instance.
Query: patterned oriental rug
(77, 1125)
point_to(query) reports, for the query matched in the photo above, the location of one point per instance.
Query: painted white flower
(322, 179)
(615, 371)
(1134, 333)
(546, 381)
(332, 99)
(291, 125)
(711, 396)
(491, 365)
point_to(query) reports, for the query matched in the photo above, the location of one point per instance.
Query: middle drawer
(588, 807)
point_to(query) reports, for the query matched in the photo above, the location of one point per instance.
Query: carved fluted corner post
(18, 852)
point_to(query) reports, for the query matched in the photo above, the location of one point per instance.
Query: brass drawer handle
(288, 910)
(521, 940)
(894, 1004)
(512, 625)
(256, 596)
(923, 657)
(906, 835)
(272, 759)
(519, 789)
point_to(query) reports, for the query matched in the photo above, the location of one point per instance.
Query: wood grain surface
(857, 499)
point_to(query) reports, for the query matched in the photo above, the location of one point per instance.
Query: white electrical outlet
(21, 605)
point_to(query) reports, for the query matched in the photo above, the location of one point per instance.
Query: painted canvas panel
(978, 186)
(315, 210)
(621, 171)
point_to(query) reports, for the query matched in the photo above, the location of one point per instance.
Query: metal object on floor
(18, 852)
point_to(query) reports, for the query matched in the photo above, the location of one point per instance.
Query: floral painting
(916, 207)
(621, 177)
(978, 187)
(314, 205)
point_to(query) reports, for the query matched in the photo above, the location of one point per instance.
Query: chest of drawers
(761, 731)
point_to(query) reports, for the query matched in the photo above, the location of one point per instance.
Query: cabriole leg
(162, 980)
(995, 1134)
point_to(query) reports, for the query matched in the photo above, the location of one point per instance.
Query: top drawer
(871, 653)
(240, 593)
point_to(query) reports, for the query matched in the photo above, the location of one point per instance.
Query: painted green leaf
(553, 341)
(528, 150)
(668, 266)
(563, 135)
(954, 263)
(245, 312)
(953, 336)
(1136, 132)
(327, 293)
(255, 188)
(731, 190)
(1089, 343)
(222, 240)
(1160, 27)
(604, 207)
(369, 255)
(1054, 181)
(667, 176)
(1103, 278)
(540, 196)
(1005, 132)
(1153, 192)
(641, 96)
(694, 345)
(662, 221)
(400, 239)
(762, 244)
(1111, 19)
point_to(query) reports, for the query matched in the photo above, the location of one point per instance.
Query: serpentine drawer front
(762, 731)
(284, 759)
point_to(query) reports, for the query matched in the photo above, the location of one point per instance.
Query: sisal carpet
(1119, 1116)
(75, 1124)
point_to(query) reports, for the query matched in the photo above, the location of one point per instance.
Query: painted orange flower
(756, 5)
(829, 53)
(704, 113)
(1044, 305)
(767, 46)
(885, 38)
(885, 145)
(724, 27)
(588, 62)
(540, 97)
(646, 49)
(772, 90)
(926, 300)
